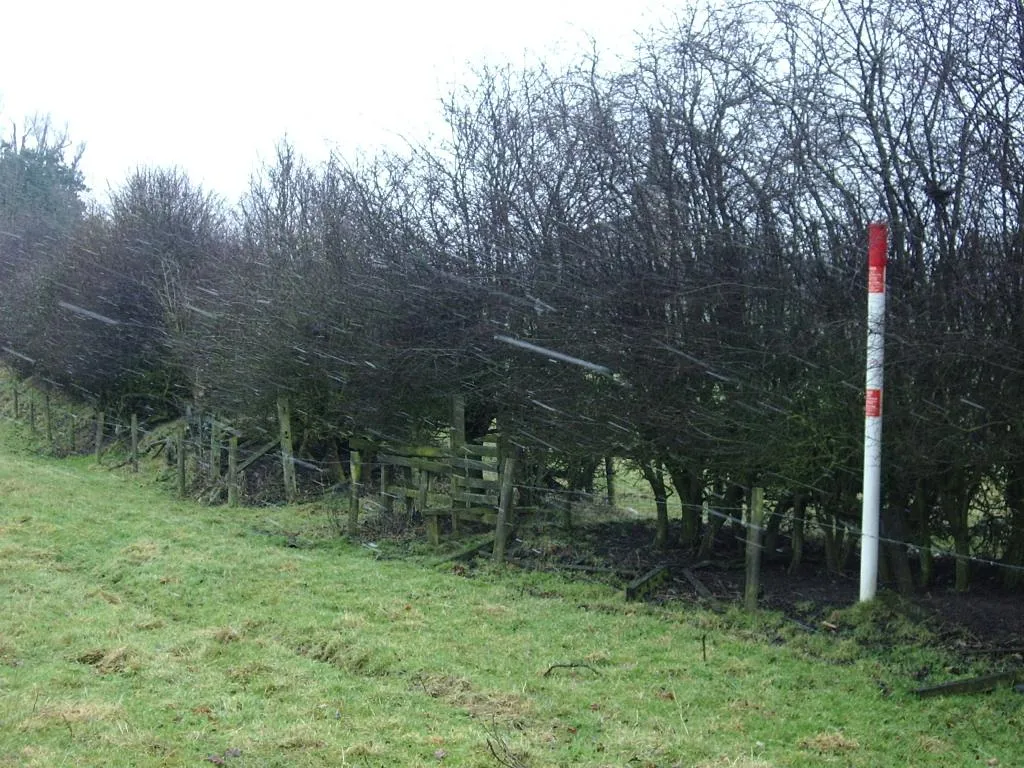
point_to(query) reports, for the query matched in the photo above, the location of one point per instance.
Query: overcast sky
(210, 85)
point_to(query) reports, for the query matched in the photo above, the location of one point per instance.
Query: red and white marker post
(878, 235)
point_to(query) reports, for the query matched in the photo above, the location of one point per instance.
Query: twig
(499, 750)
(570, 665)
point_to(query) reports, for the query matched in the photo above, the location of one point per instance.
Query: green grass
(140, 631)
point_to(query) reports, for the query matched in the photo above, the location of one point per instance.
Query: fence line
(719, 512)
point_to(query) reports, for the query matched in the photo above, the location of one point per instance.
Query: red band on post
(873, 403)
(878, 236)
(878, 239)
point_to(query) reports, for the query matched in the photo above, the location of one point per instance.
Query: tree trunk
(894, 531)
(356, 473)
(653, 474)
(609, 476)
(181, 459)
(773, 524)
(215, 450)
(956, 504)
(833, 536)
(48, 415)
(799, 515)
(689, 485)
(99, 434)
(731, 503)
(1013, 576)
(920, 508)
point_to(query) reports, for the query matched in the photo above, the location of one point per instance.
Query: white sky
(210, 86)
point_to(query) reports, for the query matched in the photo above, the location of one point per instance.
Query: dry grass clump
(120, 660)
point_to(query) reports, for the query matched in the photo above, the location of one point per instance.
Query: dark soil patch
(987, 620)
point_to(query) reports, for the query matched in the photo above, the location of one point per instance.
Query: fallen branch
(971, 685)
(501, 752)
(469, 552)
(697, 585)
(570, 665)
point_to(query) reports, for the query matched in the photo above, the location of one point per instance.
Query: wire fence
(195, 435)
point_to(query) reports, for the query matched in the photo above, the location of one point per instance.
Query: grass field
(140, 631)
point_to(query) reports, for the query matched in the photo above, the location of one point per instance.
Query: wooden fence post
(215, 450)
(49, 419)
(422, 502)
(17, 410)
(609, 475)
(32, 414)
(181, 459)
(356, 475)
(100, 417)
(422, 489)
(503, 526)
(386, 500)
(284, 418)
(755, 517)
(135, 443)
(458, 442)
(233, 471)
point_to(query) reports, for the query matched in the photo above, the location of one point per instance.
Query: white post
(877, 245)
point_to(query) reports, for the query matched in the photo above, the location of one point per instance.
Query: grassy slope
(138, 631)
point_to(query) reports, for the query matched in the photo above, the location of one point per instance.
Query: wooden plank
(260, 452)
(477, 450)
(647, 583)
(697, 584)
(401, 492)
(971, 685)
(484, 466)
(468, 553)
(374, 446)
(424, 465)
(476, 514)
(417, 451)
(475, 498)
(475, 484)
